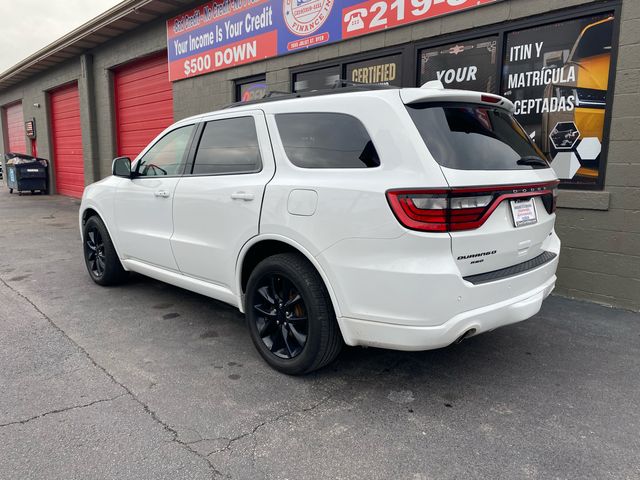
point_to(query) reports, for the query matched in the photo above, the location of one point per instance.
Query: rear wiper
(533, 161)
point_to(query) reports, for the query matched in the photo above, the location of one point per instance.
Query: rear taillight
(456, 209)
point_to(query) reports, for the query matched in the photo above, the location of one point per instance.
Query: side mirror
(121, 167)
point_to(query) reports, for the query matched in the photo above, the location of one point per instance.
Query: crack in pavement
(60, 410)
(145, 407)
(231, 441)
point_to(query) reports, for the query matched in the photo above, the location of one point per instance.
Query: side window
(166, 157)
(228, 146)
(326, 140)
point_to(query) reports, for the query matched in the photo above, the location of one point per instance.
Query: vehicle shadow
(530, 351)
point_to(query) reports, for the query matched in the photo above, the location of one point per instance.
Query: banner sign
(228, 33)
(557, 76)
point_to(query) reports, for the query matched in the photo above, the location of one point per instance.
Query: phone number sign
(227, 33)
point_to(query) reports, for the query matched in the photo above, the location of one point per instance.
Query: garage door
(16, 139)
(144, 103)
(66, 133)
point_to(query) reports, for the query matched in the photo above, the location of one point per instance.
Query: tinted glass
(251, 91)
(316, 79)
(166, 157)
(473, 137)
(228, 146)
(326, 140)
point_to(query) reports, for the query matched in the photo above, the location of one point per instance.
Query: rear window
(326, 140)
(475, 137)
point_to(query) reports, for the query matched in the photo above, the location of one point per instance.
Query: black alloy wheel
(100, 255)
(94, 252)
(290, 315)
(280, 316)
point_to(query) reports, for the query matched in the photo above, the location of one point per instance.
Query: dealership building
(571, 67)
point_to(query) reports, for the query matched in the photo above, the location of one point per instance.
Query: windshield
(475, 137)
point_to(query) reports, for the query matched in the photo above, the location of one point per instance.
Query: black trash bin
(26, 173)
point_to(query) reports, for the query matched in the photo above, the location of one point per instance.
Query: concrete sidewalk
(150, 381)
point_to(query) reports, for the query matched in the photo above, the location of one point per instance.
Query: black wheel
(100, 257)
(290, 316)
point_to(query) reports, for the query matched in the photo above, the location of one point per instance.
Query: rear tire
(290, 316)
(100, 256)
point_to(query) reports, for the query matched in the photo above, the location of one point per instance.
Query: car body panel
(215, 215)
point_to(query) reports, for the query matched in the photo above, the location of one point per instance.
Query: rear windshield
(475, 137)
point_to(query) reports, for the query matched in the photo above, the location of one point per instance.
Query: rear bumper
(484, 319)
(406, 294)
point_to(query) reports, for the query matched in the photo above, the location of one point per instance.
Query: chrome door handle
(162, 194)
(247, 197)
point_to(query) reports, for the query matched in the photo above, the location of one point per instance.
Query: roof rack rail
(340, 86)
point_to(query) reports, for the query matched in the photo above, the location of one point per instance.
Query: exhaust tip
(465, 335)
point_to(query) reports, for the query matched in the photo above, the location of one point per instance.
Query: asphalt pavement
(147, 381)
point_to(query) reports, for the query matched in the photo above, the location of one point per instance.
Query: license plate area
(524, 212)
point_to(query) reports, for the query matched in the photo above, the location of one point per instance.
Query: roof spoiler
(434, 91)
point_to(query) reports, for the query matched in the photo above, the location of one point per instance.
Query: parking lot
(151, 381)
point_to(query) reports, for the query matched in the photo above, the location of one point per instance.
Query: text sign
(468, 65)
(375, 15)
(524, 212)
(557, 76)
(227, 33)
(30, 128)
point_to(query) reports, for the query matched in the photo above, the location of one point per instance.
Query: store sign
(374, 15)
(469, 65)
(557, 76)
(383, 71)
(228, 33)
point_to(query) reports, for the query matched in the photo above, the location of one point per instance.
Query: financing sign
(228, 33)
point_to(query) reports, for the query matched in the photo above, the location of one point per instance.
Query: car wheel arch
(91, 211)
(261, 247)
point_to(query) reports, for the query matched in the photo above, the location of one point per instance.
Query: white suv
(397, 218)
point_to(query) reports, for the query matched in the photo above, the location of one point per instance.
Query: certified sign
(304, 17)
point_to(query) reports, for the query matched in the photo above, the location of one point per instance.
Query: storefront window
(384, 71)
(316, 79)
(557, 76)
(468, 65)
(252, 90)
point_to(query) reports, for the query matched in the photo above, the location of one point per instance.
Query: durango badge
(304, 17)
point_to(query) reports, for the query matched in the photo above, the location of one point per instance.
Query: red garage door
(67, 141)
(16, 139)
(144, 103)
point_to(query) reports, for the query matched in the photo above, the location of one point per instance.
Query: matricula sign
(227, 33)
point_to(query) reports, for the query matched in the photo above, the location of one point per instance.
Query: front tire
(290, 316)
(100, 256)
